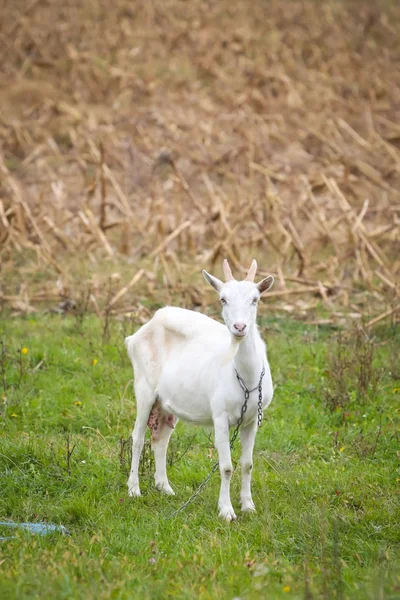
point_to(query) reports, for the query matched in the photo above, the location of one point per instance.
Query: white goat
(186, 367)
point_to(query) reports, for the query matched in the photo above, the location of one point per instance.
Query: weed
(68, 452)
(337, 394)
(81, 306)
(367, 375)
(124, 450)
(13, 366)
(352, 375)
(107, 309)
(366, 445)
(146, 464)
(174, 454)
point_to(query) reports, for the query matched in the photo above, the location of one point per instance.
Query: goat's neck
(249, 358)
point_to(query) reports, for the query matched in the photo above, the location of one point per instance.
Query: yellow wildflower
(94, 362)
(14, 416)
(78, 403)
(24, 350)
(286, 588)
(341, 449)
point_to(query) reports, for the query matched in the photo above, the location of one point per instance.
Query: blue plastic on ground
(36, 528)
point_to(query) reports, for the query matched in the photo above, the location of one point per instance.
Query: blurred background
(142, 141)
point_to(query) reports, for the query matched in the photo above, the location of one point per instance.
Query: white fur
(187, 361)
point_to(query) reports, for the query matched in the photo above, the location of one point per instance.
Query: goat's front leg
(221, 427)
(247, 437)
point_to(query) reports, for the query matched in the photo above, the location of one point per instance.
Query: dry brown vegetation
(154, 138)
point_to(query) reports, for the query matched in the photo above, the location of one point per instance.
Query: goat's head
(239, 299)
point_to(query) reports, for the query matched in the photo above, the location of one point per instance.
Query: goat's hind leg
(162, 425)
(144, 400)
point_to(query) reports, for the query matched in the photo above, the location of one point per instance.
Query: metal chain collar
(235, 433)
(247, 393)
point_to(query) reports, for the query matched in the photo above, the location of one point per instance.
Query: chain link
(235, 433)
(247, 393)
(260, 399)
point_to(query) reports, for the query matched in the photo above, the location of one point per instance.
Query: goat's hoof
(133, 491)
(227, 513)
(248, 505)
(165, 487)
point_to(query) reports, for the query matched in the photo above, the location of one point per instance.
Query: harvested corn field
(167, 135)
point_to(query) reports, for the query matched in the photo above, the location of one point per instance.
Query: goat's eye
(223, 301)
(255, 301)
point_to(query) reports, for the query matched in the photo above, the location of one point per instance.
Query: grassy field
(325, 480)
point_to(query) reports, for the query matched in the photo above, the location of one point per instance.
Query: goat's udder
(158, 419)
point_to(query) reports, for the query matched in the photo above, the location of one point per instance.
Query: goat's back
(171, 327)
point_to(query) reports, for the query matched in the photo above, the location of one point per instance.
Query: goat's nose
(240, 327)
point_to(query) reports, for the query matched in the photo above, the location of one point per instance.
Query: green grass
(325, 484)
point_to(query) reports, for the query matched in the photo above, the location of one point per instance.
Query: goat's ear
(265, 284)
(214, 281)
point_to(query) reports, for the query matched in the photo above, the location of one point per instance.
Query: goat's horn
(252, 271)
(227, 271)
